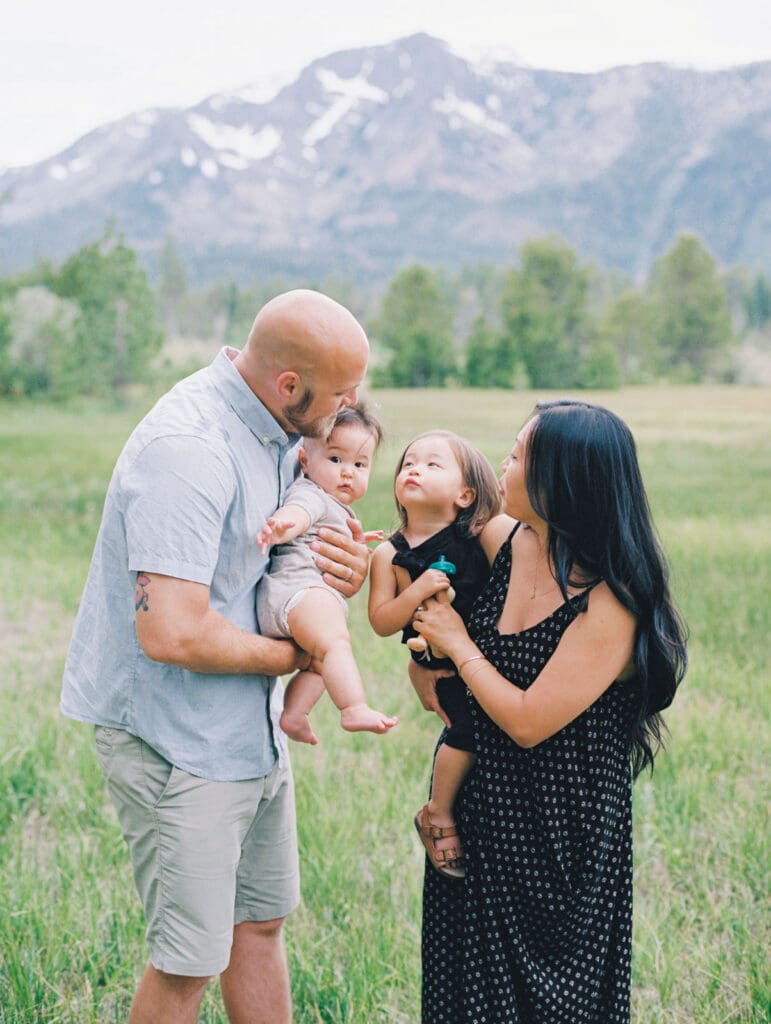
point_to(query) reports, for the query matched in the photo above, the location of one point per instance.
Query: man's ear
(288, 385)
(466, 497)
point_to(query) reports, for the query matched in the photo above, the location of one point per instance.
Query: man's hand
(343, 560)
(424, 680)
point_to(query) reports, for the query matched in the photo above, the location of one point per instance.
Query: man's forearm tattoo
(142, 598)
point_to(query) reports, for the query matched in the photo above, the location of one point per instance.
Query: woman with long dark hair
(572, 651)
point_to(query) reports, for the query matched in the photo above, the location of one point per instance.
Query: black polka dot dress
(540, 930)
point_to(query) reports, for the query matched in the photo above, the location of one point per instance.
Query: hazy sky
(66, 67)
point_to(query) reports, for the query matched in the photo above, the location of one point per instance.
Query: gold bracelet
(474, 657)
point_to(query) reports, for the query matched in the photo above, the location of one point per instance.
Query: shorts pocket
(157, 773)
(173, 776)
(103, 737)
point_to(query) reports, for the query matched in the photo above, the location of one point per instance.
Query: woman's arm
(390, 611)
(595, 649)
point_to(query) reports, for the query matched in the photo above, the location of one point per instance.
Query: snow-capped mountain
(408, 151)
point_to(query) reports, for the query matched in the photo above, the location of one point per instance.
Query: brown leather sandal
(447, 862)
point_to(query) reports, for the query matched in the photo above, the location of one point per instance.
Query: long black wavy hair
(584, 481)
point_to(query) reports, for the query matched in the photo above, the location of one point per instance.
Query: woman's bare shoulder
(606, 612)
(494, 533)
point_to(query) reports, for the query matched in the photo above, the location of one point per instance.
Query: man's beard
(320, 428)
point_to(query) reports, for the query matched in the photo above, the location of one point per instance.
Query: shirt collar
(245, 403)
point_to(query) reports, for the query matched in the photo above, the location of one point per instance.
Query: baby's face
(341, 464)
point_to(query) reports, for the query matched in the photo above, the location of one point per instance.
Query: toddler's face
(341, 464)
(430, 475)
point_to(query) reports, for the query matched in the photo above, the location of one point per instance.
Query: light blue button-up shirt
(194, 484)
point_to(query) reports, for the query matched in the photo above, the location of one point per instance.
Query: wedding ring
(349, 577)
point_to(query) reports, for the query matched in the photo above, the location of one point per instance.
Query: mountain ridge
(374, 157)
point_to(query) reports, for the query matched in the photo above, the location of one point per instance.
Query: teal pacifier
(443, 565)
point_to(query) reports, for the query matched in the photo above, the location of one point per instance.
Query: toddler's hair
(359, 416)
(477, 474)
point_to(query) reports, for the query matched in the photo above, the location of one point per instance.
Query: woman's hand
(444, 629)
(343, 560)
(424, 681)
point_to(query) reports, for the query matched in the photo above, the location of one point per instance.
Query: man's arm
(176, 625)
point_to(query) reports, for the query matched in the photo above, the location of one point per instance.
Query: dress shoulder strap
(581, 599)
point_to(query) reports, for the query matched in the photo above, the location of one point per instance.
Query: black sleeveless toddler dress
(540, 929)
(472, 573)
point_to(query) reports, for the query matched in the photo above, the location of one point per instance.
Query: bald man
(167, 663)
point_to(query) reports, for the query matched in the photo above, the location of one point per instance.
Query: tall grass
(71, 931)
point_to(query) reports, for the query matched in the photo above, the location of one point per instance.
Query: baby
(292, 598)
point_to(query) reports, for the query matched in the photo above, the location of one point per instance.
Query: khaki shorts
(206, 855)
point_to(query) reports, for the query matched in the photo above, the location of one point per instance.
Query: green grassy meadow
(71, 931)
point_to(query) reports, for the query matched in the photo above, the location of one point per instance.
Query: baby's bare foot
(362, 718)
(297, 726)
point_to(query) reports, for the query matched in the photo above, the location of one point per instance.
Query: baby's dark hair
(359, 416)
(477, 474)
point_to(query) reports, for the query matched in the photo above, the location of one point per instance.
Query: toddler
(446, 493)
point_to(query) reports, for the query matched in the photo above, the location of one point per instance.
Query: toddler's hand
(431, 582)
(370, 535)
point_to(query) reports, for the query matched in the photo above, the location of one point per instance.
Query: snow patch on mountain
(486, 59)
(457, 111)
(243, 142)
(259, 92)
(233, 161)
(60, 171)
(350, 92)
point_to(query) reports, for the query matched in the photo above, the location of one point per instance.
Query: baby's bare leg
(318, 625)
(301, 695)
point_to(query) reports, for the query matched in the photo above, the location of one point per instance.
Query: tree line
(95, 325)
(87, 327)
(560, 324)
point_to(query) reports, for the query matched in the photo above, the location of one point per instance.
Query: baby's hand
(370, 535)
(272, 532)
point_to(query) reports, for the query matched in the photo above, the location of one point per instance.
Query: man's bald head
(303, 348)
(305, 331)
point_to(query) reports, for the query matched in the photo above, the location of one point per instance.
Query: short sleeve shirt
(191, 489)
